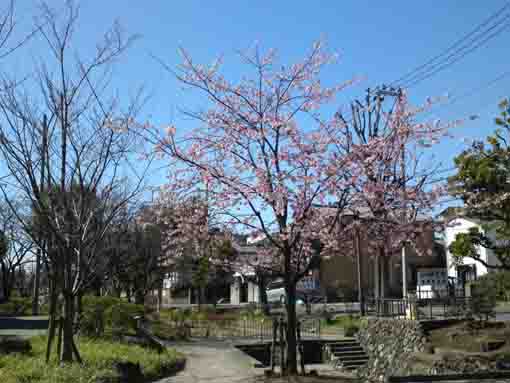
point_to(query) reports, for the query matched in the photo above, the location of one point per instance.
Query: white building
(468, 268)
(243, 289)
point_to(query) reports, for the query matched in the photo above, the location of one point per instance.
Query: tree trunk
(9, 285)
(79, 309)
(139, 297)
(67, 339)
(69, 310)
(37, 279)
(261, 282)
(53, 313)
(203, 299)
(5, 283)
(290, 304)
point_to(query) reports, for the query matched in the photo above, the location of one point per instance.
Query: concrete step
(359, 352)
(345, 340)
(344, 358)
(354, 363)
(347, 349)
(347, 354)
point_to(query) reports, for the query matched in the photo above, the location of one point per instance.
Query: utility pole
(368, 122)
(37, 279)
(404, 217)
(361, 298)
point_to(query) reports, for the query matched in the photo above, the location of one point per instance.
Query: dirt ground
(471, 336)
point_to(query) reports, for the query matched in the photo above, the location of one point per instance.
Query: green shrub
(16, 306)
(484, 297)
(120, 317)
(108, 314)
(350, 324)
(351, 330)
(500, 283)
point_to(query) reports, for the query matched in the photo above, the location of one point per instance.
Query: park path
(23, 326)
(214, 362)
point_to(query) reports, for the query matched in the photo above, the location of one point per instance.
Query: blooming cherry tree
(265, 156)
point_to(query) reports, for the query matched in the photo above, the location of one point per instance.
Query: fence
(428, 309)
(255, 328)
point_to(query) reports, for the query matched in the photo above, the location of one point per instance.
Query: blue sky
(377, 40)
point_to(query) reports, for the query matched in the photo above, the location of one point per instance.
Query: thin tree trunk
(261, 282)
(5, 291)
(203, 298)
(290, 289)
(60, 323)
(79, 309)
(6, 286)
(37, 278)
(52, 313)
(139, 297)
(76, 353)
(68, 320)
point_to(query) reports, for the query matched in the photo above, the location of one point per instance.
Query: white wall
(462, 225)
(235, 291)
(253, 292)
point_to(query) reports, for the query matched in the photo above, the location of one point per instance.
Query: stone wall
(390, 344)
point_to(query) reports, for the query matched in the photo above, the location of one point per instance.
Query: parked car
(275, 292)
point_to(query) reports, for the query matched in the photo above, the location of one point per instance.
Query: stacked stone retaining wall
(390, 344)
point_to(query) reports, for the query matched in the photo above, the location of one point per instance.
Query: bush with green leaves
(500, 281)
(120, 317)
(484, 298)
(109, 314)
(349, 323)
(16, 306)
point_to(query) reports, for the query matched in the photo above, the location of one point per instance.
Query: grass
(99, 357)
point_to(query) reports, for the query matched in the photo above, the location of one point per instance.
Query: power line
(476, 90)
(413, 74)
(471, 41)
(458, 58)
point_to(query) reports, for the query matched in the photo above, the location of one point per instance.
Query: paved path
(214, 362)
(23, 326)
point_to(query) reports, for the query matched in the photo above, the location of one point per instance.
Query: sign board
(432, 283)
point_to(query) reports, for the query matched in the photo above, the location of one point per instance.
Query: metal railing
(387, 307)
(257, 328)
(427, 309)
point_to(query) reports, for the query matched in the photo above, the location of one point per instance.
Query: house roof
(454, 212)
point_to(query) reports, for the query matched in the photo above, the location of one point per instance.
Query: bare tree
(88, 176)
(16, 246)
